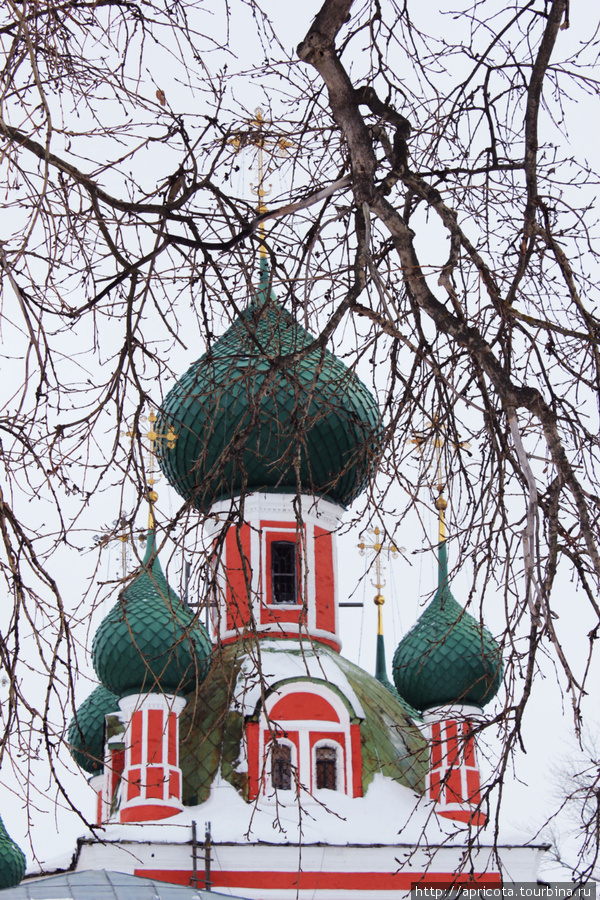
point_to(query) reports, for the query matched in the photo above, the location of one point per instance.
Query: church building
(256, 759)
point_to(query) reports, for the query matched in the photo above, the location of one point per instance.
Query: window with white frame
(284, 572)
(282, 766)
(326, 767)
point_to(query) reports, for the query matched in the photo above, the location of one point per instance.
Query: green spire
(442, 565)
(380, 665)
(262, 293)
(151, 554)
(12, 860)
(150, 641)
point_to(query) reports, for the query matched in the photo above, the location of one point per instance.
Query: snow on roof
(389, 814)
(296, 662)
(104, 885)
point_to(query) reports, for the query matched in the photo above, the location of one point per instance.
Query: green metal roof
(86, 730)
(12, 860)
(391, 742)
(150, 641)
(212, 728)
(102, 884)
(246, 420)
(447, 657)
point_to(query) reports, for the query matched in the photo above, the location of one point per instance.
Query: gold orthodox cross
(377, 546)
(152, 437)
(122, 526)
(257, 136)
(436, 435)
(123, 534)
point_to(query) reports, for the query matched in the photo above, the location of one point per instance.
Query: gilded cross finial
(120, 532)
(376, 545)
(436, 435)
(256, 136)
(152, 437)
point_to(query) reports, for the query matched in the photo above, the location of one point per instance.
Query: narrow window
(281, 767)
(284, 572)
(326, 768)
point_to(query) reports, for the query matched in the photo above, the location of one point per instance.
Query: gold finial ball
(152, 496)
(441, 504)
(379, 600)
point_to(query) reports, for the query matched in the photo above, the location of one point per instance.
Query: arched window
(284, 572)
(281, 767)
(326, 765)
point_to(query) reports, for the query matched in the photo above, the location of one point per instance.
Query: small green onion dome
(447, 657)
(150, 641)
(12, 860)
(86, 730)
(245, 419)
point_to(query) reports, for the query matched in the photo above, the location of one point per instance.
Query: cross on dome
(258, 136)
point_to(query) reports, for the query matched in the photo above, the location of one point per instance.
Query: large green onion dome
(12, 860)
(86, 730)
(447, 657)
(247, 419)
(150, 641)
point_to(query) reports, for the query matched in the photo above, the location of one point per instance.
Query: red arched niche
(303, 705)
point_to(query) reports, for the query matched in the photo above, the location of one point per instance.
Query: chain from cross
(274, 146)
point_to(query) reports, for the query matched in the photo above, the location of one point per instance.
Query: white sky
(547, 728)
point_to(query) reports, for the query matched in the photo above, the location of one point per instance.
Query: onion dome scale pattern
(150, 641)
(447, 657)
(246, 421)
(86, 729)
(12, 860)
